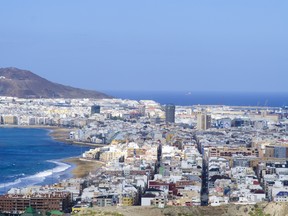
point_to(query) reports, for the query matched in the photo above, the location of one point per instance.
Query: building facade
(203, 121)
(170, 113)
(18, 203)
(95, 109)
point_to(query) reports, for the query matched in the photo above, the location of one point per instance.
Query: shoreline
(80, 167)
(59, 134)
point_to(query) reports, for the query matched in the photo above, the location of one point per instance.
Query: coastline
(62, 134)
(59, 134)
(80, 167)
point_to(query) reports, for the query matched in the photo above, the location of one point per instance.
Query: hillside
(25, 84)
(269, 209)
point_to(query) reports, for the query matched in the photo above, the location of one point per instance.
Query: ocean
(186, 98)
(32, 157)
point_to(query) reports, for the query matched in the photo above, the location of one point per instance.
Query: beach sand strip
(83, 167)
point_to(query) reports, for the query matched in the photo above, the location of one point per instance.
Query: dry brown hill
(260, 209)
(25, 84)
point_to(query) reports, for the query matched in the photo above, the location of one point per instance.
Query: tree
(258, 212)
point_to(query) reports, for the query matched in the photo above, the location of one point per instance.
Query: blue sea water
(32, 157)
(186, 98)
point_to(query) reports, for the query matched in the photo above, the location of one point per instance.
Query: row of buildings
(155, 155)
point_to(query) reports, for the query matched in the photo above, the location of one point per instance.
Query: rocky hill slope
(25, 84)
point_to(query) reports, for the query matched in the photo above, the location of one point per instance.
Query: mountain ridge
(20, 83)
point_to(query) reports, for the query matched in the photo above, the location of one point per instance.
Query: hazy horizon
(203, 46)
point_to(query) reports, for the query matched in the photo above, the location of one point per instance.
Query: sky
(151, 45)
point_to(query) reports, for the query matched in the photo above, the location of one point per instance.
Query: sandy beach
(62, 135)
(57, 133)
(83, 167)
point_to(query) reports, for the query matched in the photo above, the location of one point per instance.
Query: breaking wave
(36, 178)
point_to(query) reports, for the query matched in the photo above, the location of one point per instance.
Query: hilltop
(15, 82)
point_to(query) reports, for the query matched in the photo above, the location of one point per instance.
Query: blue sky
(165, 45)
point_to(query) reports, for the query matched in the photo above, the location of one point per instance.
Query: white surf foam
(36, 178)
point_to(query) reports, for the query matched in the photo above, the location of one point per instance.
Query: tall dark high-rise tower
(170, 113)
(95, 109)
